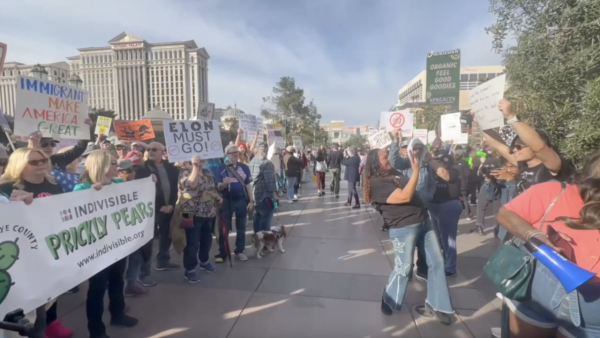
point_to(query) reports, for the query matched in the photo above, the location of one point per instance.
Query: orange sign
(134, 130)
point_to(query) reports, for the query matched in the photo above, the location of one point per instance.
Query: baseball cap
(122, 143)
(405, 144)
(124, 164)
(106, 141)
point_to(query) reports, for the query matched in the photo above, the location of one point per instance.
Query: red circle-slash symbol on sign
(397, 120)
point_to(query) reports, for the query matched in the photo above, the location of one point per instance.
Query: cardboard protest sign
(297, 142)
(184, 139)
(247, 123)
(134, 130)
(484, 101)
(402, 120)
(103, 125)
(3, 122)
(54, 109)
(380, 140)
(206, 111)
(372, 131)
(276, 137)
(70, 238)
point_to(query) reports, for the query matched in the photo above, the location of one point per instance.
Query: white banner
(103, 125)
(58, 242)
(430, 136)
(484, 103)
(184, 139)
(380, 140)
(54, 109)
(206, 111)
(402, 120)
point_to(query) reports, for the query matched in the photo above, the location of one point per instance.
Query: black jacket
(148, 168)
(464, 173)
(62, 160)
(335, 159)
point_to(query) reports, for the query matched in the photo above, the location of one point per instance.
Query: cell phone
(560, 242)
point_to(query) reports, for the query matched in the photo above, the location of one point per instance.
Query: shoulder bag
(237, 176)
(511, 269)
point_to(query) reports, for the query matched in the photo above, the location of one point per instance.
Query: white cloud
(245, 63)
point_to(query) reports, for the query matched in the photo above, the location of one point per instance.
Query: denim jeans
(509, 191)
(335, 180)
(291, 182)
(405, 240)
(550, 306)
(198, 242)
(352, 192)
(239, 208)
(445, 218)
(483, 203)
(263, 214)
(134, 266)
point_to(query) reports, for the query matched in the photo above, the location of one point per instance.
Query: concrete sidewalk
(328, 283)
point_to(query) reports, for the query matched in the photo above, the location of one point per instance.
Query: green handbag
(511, 269)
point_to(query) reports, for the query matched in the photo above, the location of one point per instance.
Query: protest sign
(484, 101)
(402, 120)
(3, 122)
(206, 111)
(276, 137)
(430, 136)
(3, 51)
(247, 123)
(184, 139)
(420, 134)
(451, 129)
(134, 130)
(380, 140)
(443, 80)
(54, 109)
(297, 142)
(372, 131)
(68, 239)
(103, 125)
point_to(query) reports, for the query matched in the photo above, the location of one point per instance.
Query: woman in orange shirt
(575, 219)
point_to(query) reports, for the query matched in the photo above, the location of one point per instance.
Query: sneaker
(346, 204)
(295, 198)
(124, 321)
(480, 230)
(135, 291)
(192, 277)
(496, 332)
(337, 196)
(240, 256)
(207, 267)
(168, 266)
(57, 330)
(450, 274)
(219, 259)
(422, 276)
(147, 281)
(356, 206)
(470, 218)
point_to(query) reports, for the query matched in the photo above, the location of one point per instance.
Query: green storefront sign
(443, 80)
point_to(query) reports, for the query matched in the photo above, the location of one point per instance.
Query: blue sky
(350, 56)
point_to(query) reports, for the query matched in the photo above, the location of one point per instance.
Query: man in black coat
(167, 177)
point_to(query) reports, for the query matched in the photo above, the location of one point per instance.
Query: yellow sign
(103, 125)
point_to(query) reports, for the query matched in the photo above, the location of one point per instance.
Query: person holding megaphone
(560, 224)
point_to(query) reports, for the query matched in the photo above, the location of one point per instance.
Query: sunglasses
(154, 149)
(127, 171)
(233, 153)
(3, 162)
(36, 163)
(120, 148)
(519, 147)
(48, 144)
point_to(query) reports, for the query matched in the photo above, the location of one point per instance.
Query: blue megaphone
(570, 275)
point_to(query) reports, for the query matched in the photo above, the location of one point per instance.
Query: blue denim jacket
(426, 184)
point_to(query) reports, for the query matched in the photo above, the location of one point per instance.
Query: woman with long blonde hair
(27, 175)
(100, 170)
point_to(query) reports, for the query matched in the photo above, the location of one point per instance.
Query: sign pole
(12, 145)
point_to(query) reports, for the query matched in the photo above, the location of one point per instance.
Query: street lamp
(75, 80)
(39, 71)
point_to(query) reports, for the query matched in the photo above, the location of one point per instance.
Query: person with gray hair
(264, 188)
